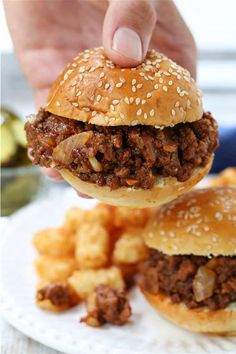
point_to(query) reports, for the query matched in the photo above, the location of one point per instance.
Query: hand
(47, 34)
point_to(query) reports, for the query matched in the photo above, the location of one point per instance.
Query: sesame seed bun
(158, 92)
(164, 190)
(221, 322)
(201, 222)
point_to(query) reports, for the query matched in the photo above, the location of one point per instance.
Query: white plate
(147, 332)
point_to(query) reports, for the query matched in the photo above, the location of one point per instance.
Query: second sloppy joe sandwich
(190, 273)
(127, 136)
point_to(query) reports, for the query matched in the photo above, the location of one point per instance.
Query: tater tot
(130, 247)
(54, 269)
(55, 242)
(84, 282)
(124, 217)
(226, 178)
(75, 217)
(92, 246)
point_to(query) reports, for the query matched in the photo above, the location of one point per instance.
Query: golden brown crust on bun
(158, 92)
(165, 189)
(221, 322)
(201, 222)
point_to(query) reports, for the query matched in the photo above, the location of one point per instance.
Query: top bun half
(158, 92)
(201, 222)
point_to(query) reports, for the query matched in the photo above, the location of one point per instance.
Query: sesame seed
(94, 113)
(143, 101)
(131, 99)
(101, 75)
(145, 115)
(115, 101)
(156, 87)
(86, 55)
(134, 81)
(78, 93)
(74, 83)
(139, 112)
(177, 104)
(126, 99)
(82, 69)
(218, 216)
(178, 77)
(92, 69)
(152, 112)
(135, 122)
(161, 80)
(62, 82)
(178, 89)
(107, 85)
(141, 74)
(181, 94)
(165, 88)
(65, 76)
(86, 109)
(58, 103)
(150, 77)
(170, 82)
(122, 115)
(139, 86)
(149, 94)
(137, 101)
(133, 89)
(112, 107)
(133, 69)
(74, 65)
(100, 84)
(173, 112)
(75, 104)
(186, 79)
(122, 80)
(119, 84)
(98, 98)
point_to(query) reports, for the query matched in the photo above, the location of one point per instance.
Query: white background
(213, 23)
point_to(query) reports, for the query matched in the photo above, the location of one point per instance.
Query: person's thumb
(127, 30)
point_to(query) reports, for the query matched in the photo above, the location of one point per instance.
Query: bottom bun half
(219, 322)
(164, 190)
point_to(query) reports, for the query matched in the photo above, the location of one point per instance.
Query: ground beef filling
(127, 156)
(58, 294)
(107, 305)
(178, 277)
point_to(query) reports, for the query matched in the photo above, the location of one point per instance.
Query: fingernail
(128, 43)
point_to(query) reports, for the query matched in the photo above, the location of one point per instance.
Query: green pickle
(20, 181)
(8, 145)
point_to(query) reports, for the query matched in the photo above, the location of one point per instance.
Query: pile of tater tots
(93, 257)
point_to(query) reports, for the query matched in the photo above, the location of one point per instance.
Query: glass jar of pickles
(20, 180)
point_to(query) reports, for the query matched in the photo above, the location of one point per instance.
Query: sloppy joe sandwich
(127, 136)
(190, 273)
